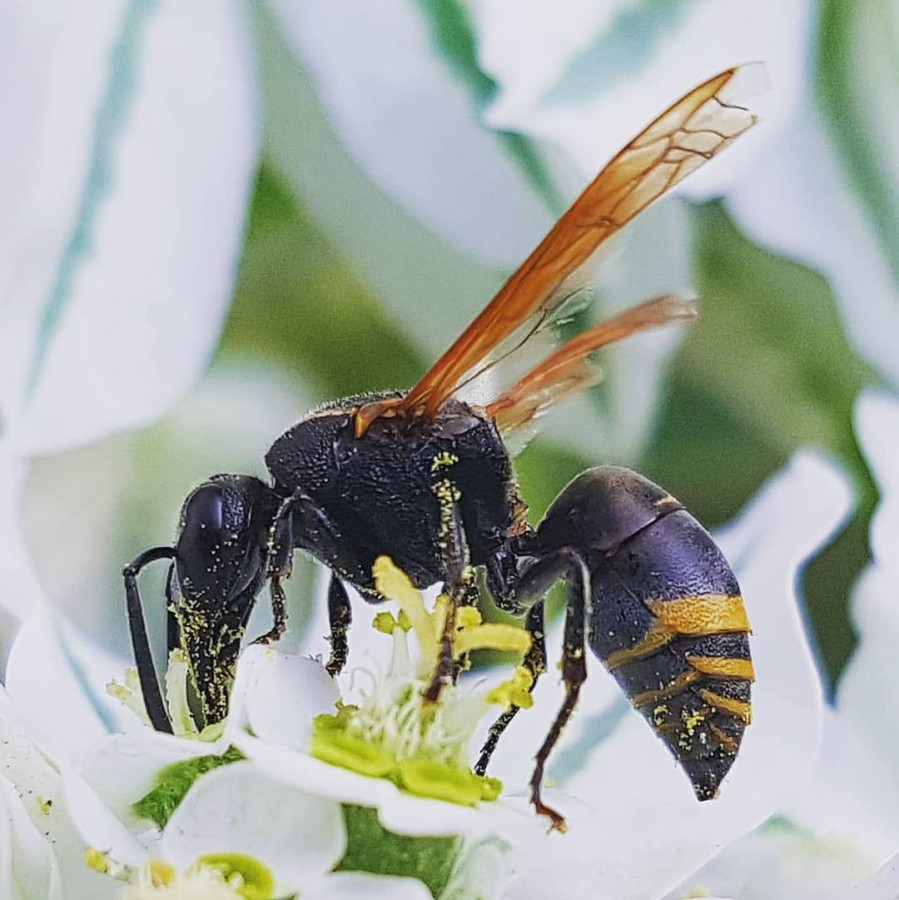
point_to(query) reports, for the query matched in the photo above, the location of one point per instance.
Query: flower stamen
(394, 732)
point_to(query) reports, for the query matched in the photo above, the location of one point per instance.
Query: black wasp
(426, 479)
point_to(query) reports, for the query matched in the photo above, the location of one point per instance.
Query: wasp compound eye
(221, 544)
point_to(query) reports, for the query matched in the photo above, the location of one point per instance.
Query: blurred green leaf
(298, 303)
(453, 37)
(858, 81)
(766, 365)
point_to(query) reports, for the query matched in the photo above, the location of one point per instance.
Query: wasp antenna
(140, 642)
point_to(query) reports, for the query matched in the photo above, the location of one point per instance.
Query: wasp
(426, 478)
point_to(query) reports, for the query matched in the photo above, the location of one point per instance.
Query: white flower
(237, 826)
(230, 826)
(838, 825)
(609, 762)
(390, 748)
(41, 852)
(129, 139)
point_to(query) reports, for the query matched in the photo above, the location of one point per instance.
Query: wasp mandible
(426, 478)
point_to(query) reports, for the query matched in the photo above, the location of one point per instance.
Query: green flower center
(394, 732)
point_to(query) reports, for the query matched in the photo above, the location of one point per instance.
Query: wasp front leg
(340, 615)
(279, 565)
(459, 588)
(534, 663)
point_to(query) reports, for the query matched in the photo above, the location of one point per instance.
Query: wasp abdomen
(668, 621)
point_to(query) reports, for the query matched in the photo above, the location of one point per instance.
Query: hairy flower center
(395, 732)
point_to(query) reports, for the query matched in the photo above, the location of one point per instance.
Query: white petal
(877, 427)
(48, 689)
(20, 592)
(527, 46)
(790, 200)
(279, 695)
(98, 825)
(239, 809)
(398, 811)
(33, 789)
(852, 798)
(122, 768)
(481, 871)
(20, 102)
(834, 831)
(142, 172)
(631, 772)
(631, 71)
(413, 125)
(27, 866)
(884, 885)
(861, 697)
(778, 862)
(347, 885)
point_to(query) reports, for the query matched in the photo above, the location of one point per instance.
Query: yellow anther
(96, 860)
(385, 622)
(492, 636)
(468, 617)
(161, 873)
(515, 691)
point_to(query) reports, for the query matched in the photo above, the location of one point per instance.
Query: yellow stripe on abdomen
(723, 667)
(708, 614)
(740, 708)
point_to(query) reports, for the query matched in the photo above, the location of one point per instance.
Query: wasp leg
(574, 673)
(525, 594)
(458, 589)
(535, 663)
(340, 615)
(279, 611)
(140, 642)
(280, 549)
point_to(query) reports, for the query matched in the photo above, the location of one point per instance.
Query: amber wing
(692, 131)
(568, 370)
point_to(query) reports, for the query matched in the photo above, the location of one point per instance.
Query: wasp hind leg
(535, 663)
(531, 586)
(528, 593)
(460, 590)
(574, 673)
